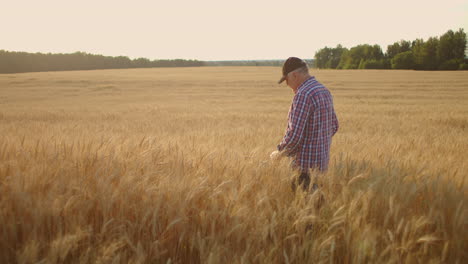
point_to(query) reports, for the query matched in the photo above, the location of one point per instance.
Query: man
(312, 123)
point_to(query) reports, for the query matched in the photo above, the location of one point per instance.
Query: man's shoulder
(311, 87)
(315, 92)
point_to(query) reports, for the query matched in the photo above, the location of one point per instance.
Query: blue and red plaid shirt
(311, 124)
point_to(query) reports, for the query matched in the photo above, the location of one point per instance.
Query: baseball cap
(291, 64)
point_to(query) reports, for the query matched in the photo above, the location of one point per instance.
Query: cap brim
(282, 79)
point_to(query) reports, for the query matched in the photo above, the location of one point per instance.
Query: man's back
(311, 124)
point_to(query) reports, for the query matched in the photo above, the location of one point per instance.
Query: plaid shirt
(311, 124)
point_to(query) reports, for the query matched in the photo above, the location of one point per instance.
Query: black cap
(291, 64)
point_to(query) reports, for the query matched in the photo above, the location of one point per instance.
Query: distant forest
(446, 52)
(14, 62)
(17, 62)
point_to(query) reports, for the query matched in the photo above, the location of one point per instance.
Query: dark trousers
(303, 180)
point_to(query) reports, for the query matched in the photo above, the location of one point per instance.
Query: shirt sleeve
(335, 123)
(297, 121)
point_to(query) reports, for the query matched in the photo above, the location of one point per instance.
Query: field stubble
(171, 165)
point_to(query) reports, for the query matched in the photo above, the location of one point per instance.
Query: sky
(218, 29)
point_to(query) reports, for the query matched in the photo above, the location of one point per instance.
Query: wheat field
(171, 166)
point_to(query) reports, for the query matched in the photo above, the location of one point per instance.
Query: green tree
(141, 63)
(335, 57)
(329, 58)
(344, 60)
(322, 57)
(372, 64)
(446, 45)
(430, 54)
(418, 54)
(398, 47)
(357, 56)
(451, 50)
(403, 60)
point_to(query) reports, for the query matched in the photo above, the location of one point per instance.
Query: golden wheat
(171, 166)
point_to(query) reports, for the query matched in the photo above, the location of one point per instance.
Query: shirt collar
(304, 84)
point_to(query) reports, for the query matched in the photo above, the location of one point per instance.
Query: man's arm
(296, 124)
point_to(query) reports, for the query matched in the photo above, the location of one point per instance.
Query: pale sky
(220, 30)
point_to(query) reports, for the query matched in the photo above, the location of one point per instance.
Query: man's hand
(276, 155)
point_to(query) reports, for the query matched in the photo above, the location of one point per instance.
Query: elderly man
(312, 123)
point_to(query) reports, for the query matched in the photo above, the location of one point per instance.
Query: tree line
(245, 63)
(446, 52)
(15, 62)
(272, 63)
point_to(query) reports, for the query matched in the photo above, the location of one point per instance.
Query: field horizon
(171, 165)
